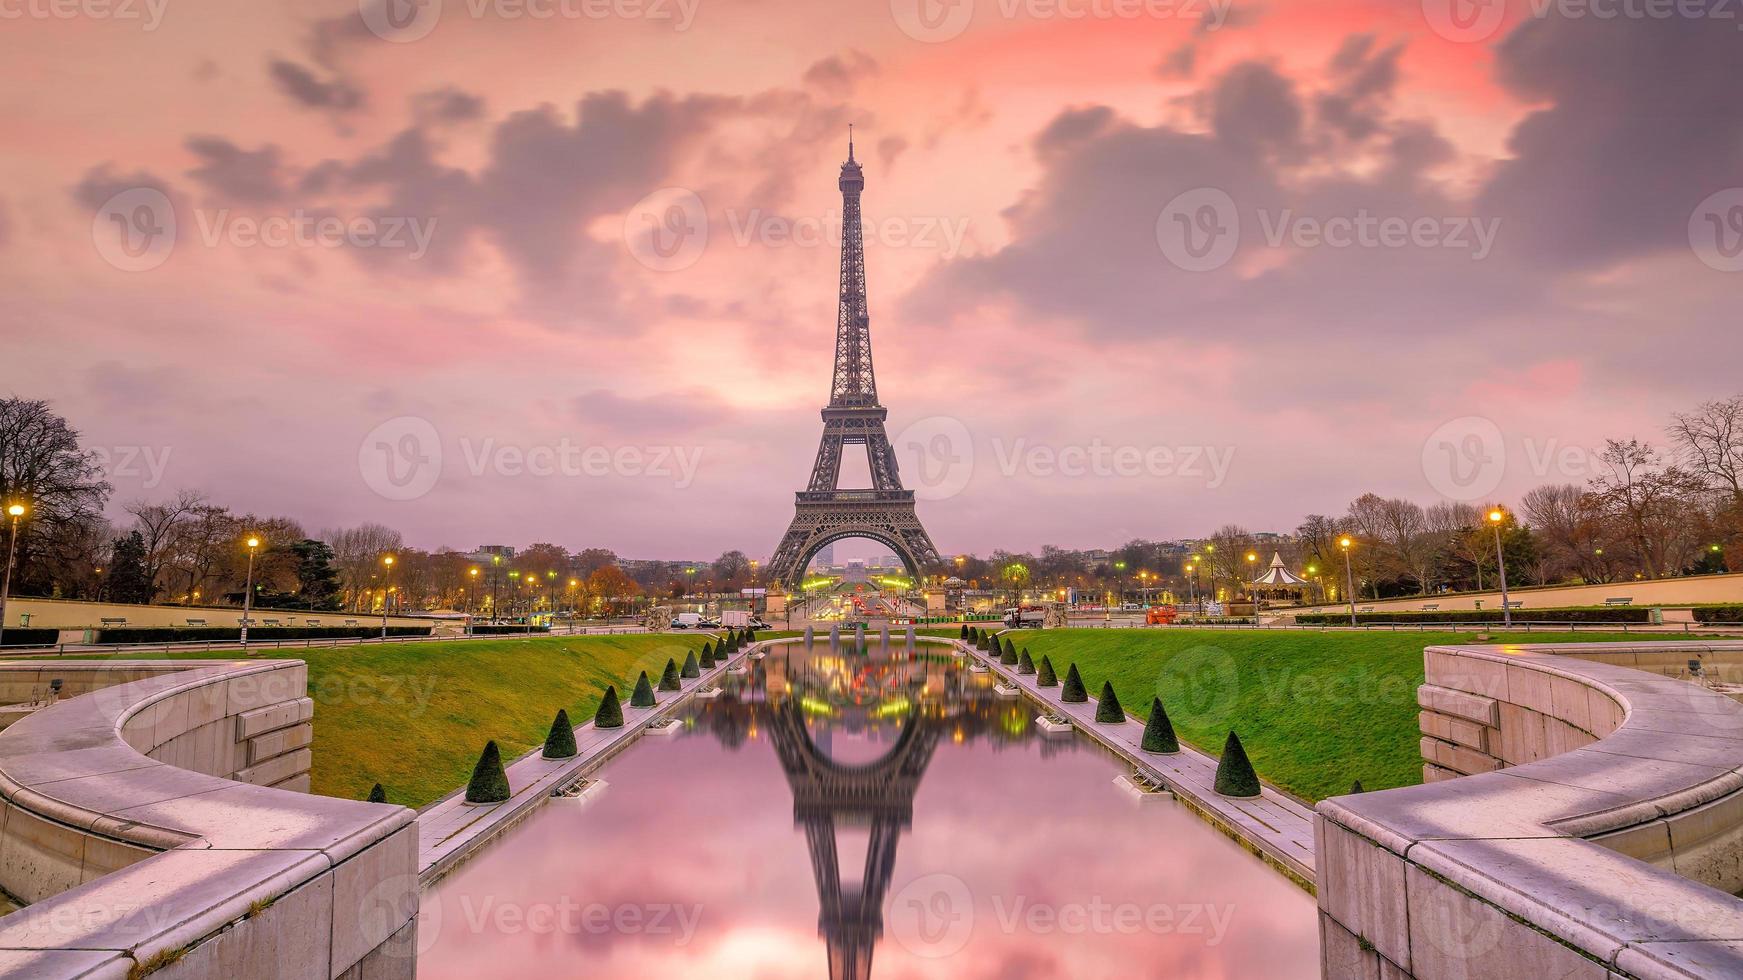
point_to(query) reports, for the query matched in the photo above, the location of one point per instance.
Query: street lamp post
(1252, 584)
(1496, 516)
(471, 596)
(386, 593)
(1349, 578)
(14, 511)
(248, 591)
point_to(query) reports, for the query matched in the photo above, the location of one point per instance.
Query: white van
(687, 621)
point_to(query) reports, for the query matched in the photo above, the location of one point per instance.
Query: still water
(865, 816)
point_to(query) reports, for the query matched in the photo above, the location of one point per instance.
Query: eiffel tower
(824, 512)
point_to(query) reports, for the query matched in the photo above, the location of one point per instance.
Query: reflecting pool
(865, 816)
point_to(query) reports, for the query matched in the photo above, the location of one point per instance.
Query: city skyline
(1026, 176)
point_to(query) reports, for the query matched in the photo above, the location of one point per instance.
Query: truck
(735, 619)
(1023, 617)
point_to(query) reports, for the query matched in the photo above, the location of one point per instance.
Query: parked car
(687, 621)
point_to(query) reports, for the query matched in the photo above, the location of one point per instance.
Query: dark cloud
(1364, 81)
(1179, 62)
(1641, 122)
(889, 149)
(836, 75)
(447, 105)
(301, 85)
(1255, 109)
(99, 185)
(235, 174)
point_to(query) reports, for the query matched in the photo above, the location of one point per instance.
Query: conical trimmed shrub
(560, 742)
(610, 713)
(964, 634)
(974, 634)
(1107, 709)
(489, 782)
(691, 667)
(643, 695)
(1073, 691)
(1356, 787)
(669, 677)
(750, 636)
(1234, 773)
(1008, 656)
(707, 656)
(1044, 675)
(1025, 663)
(1159, 731)
(377, 794)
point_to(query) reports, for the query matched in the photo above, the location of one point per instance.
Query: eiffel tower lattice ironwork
(825, 513)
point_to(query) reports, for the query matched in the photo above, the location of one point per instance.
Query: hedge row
(499, 629)
(227, 634)
(1618, 614)
(21, 637)
(1703, 614)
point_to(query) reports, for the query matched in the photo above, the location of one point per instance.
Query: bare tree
(43, 467)
(1711, 441)
(161, 526)
(1652, 504)
(357, 551)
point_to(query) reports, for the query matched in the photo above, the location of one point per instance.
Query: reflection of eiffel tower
(827, 794)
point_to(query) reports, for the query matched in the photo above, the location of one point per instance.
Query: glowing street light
(253, 544)
(1349, 576)
(1496, 516)
(16, 512)
(387, 563)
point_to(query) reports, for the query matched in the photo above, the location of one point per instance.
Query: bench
(1625, 600)
(118, 621)
(1516, 604)
(270, 622)
(1431, 607)
(196, 622)
(312, 622)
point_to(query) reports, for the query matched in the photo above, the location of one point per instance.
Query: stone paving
(1276, 827)
(451, 829)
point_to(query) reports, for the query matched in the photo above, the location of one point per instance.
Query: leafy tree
(129, 580)
(1073, 691)
(1159, 731)
(560, 741)
(1234, 773)
(1107, 709)
(489, 783)
(610, 712)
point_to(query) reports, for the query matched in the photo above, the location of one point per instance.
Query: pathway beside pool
(1276, 827)
(451, 829)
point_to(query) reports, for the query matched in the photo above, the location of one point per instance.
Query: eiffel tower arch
(823, 512)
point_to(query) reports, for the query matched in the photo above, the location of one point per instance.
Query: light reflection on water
(865, 817)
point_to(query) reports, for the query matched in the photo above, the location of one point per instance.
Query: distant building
(487, 553)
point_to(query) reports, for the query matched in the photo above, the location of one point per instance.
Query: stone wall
(141, 820)
(1581, 819)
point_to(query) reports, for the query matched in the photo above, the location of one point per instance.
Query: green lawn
(1314, 710)
(414, 716)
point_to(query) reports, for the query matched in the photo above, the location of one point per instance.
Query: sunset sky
(517, 273)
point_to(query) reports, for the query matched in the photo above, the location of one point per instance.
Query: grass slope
(1314, 710)
(414, 716)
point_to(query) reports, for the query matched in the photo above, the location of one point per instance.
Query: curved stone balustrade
(140, 819)
(1583, 819)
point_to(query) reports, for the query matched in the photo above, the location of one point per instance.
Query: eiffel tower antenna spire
(850, 142)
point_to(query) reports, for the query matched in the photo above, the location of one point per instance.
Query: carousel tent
(1278, 577)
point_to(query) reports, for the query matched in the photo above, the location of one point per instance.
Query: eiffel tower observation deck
(824, 512)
